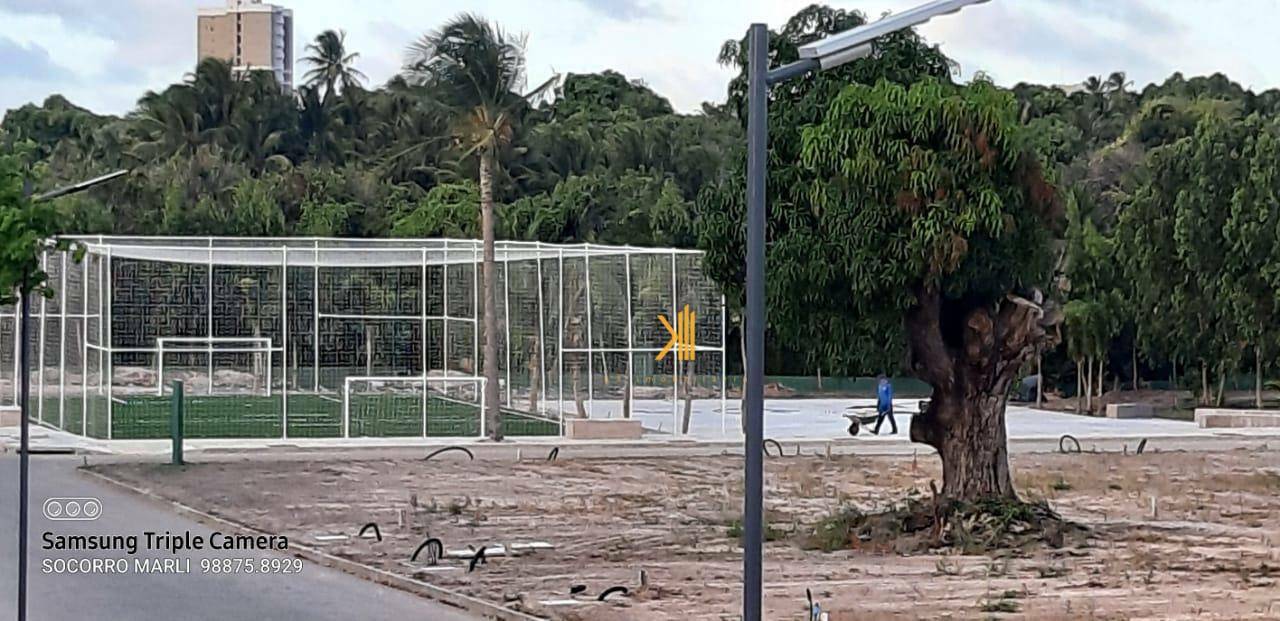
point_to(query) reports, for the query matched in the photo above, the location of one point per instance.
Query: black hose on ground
(1062, 444)
(477, 559)
(610, 591)
(450, 448)
(376, 531)
(767, 442)
(433, 553)
(555, 453)
(1142, 446)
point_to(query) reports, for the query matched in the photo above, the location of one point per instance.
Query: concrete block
(1130, 410)
(10, 417)
(603, 429)
(1220, 418)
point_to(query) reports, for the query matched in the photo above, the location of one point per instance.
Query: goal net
(401, 406)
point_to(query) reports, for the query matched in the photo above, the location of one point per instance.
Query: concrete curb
(380, 576)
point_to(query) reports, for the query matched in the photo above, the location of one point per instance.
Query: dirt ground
(1172, 535)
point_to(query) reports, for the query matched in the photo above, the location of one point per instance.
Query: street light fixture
(820, 55)
(24, 397)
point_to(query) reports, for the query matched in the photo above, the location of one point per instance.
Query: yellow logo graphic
(682, 336)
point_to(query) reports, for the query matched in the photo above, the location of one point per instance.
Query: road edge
(432, 592)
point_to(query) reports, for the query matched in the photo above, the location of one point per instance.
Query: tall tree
(477, 70)
(913, 216)
(331, 65)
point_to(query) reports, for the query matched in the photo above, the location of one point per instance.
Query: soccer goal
(401, 406)
(234, 365)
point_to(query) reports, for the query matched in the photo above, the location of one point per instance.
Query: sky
(105, 55)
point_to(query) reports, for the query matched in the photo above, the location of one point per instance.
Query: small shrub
(770, 533)
(1000, 605)
(836, 531)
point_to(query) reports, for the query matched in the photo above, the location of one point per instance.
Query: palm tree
(476, 70)
(331, 65)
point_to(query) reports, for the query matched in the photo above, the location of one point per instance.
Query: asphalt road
(315, 594)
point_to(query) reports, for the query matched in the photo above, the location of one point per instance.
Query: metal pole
(757, 170)
(209, 326)
(424, 340)
(591, 343)
(24, 394)
(560, 336)
(84, 346)
(284, 343)
(41, 330)
(631, 355)
(542, 333)
(109, 282)
(506, 314)
(675, 359)
(175, 422)
(62, 342)
(315, 319)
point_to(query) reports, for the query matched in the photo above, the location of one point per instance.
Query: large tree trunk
(493, 420)
(971, 367)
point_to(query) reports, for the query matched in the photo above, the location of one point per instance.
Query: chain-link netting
(270, 336)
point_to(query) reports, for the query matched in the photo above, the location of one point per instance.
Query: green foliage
(25, 228)
(634, 208)
(899, 189)
(448, 210)
(601, 93)
(1173, 237)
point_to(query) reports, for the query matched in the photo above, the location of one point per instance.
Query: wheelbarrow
(860, 417)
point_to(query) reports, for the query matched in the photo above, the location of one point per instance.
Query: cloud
(109, 53)
(28, 62)
(624, 9)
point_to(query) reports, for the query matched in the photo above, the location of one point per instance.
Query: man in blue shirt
(884, 405)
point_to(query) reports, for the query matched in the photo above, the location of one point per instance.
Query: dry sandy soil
(1210, 549)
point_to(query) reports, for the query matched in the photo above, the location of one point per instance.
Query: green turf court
(379, 415)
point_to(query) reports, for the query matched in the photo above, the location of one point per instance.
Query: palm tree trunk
(1102, 377)
(1222, 385)
(1135, 366)
(490, 287)
(1039, 381)
(1257, 377)
(1088, 385)
(1079, 383)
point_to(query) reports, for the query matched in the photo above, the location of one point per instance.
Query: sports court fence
(279, 338)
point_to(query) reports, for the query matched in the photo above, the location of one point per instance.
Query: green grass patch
(310, 416)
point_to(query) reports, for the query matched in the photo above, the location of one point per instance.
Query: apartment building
(249, 34)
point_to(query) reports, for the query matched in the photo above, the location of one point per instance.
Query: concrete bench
(1130, 410)
(1219, 418)
(603, 429)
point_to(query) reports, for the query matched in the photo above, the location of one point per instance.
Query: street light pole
(24, 396)
(757, 171)
(821, 55)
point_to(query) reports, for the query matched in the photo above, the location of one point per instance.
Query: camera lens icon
(73, 509)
